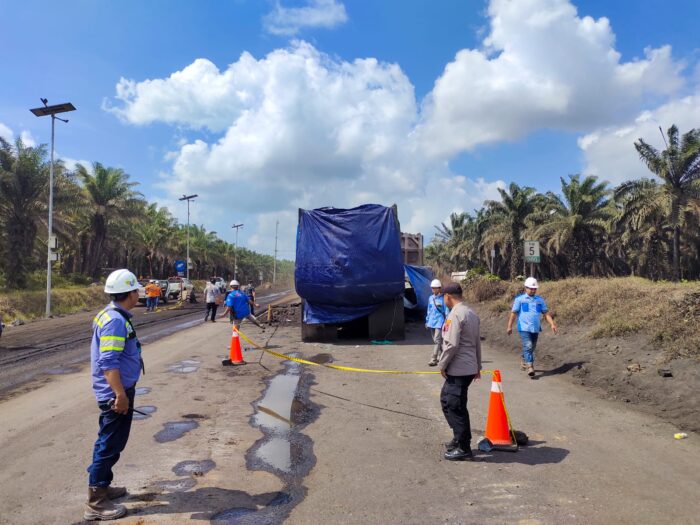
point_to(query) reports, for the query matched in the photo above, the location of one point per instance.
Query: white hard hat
(436, 283)
(234, 283)
(531, 282)
(121, 281)
(154, 281)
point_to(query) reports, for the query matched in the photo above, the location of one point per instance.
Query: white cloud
(610, 153)
(542, 66)
(27, 138)
(299, 128)
(6, 133)
(288, 21)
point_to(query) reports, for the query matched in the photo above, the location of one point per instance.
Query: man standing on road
(460, 364)
(250, 292)
(212, 295)
(115, 355)
(238, 306)
(152, 295)
(528, 308)
(435, 319)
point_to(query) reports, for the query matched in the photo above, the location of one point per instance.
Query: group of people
(153, 292)
(240, 305)
(457, 350)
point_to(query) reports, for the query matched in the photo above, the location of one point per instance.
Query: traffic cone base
(497, 428)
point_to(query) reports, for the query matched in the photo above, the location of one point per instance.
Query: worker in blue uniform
(115, 356)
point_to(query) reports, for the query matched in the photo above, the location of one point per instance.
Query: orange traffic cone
(497, 427)
(235, 356)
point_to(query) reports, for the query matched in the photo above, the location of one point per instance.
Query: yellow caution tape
(287, 357)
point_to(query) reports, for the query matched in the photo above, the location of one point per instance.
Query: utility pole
(235, 250)
(274, 264)
(188, 198)
(51, 240)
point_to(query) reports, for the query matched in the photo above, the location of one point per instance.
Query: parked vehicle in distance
(221, 283)
(177, 284)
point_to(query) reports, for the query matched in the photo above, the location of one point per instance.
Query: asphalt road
(279, 442)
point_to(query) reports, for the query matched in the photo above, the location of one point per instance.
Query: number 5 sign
(532, 251)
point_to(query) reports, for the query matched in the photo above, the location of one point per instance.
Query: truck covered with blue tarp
(349, 264)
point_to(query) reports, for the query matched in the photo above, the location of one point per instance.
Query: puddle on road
(186, 366)
(143, 390)
(321, 359)
(281, 414)
(147, 409)
(193, 468)
(173, 430)
(176, 485)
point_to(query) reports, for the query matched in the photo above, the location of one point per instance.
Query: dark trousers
(111, 440)
(211, 307)
(453, 399)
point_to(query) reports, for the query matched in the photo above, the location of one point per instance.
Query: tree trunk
(676, 252)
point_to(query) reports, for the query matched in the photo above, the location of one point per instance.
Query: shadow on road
(530, 455)
(563, 369)
(202, 503)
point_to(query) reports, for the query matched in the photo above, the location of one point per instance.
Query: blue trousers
(111, 441)
(529, 341)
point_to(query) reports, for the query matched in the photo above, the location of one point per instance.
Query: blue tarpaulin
(420, 277)
(347, 262)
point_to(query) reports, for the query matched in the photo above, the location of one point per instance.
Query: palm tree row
(102, 222)
(646, 227)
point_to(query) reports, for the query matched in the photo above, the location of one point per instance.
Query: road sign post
(532, 255)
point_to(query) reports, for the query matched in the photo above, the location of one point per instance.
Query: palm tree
(154, 233)
(506, 220)
(575, 224)
(24, 182)
(642, 227)
(678, 166)
(109, 194)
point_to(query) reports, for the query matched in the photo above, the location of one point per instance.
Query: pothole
(193, 468)
(173, 430)
(147, 411)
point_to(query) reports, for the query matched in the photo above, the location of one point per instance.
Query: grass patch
(28, 305)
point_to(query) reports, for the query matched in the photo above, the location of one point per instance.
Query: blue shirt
(529, 310)
(114, 346)
(238, 302)
(437, 311)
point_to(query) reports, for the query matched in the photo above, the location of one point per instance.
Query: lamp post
(235, 250)
(42, 112)
(188, 198)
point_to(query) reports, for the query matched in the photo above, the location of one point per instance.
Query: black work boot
(459, 454)
(100, 507)
(451, 445)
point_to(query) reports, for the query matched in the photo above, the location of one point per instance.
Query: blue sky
(441, 147)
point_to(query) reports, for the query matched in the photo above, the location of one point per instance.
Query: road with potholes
(276, 442)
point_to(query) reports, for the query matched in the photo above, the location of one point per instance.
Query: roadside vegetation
(648, 227)
(102, 222)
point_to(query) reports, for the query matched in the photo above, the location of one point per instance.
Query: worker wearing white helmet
(115, 356)
(238, 306)
(528, 309)
(435, 319)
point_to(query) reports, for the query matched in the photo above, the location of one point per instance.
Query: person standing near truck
(528, 309)
(435, 319)
(115, 356)
(238, 306)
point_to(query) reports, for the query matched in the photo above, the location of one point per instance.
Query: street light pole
(235, 250)
(42, 112)
(188, 198)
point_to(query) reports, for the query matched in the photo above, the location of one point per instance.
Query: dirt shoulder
(615, 337)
